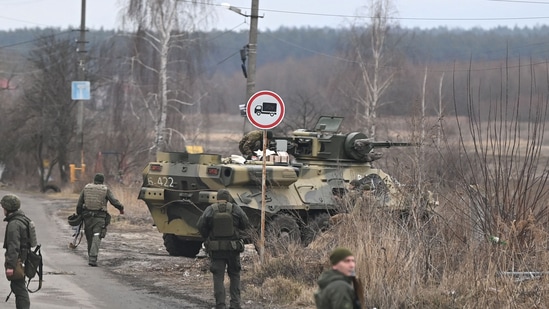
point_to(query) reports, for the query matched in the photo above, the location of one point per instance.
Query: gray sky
(319, 13)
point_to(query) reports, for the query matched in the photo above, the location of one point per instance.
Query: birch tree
(371, 56)
(167, 27)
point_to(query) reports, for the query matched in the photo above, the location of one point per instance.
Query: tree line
(156, 88)
(440, 44)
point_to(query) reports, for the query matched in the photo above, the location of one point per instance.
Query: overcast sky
(318, 13)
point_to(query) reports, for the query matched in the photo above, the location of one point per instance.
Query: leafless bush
(501, 170)
(135, 210)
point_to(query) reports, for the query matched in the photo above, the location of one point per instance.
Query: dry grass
(276, 290)
(426, 264)
(136, 212)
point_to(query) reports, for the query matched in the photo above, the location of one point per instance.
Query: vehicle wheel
(51, 187)
(318, 224)
(280, 232)
(178, 247)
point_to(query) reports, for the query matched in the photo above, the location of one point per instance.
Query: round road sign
(265, 109)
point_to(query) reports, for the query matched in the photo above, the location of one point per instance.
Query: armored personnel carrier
(305, 182)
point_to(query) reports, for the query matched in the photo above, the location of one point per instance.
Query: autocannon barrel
(388, 144)
(366, 145)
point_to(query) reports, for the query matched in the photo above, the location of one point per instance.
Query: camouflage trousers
(95, 229)
(22, 300)
(231, 262)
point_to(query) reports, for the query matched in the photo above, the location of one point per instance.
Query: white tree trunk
(440, 111)
(162, 22)
(376, 78)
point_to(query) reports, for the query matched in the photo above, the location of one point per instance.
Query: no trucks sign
(265, 109)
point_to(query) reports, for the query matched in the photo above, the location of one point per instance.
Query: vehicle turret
(326, 143)
(307, 178)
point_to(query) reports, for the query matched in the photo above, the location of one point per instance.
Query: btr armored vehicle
(306, 180)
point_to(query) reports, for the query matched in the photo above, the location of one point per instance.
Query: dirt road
(135, 271)
(121, 281)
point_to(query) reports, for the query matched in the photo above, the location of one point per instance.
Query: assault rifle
(78, 233)
(359, 292)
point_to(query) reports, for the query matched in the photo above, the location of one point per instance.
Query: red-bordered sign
(265, 109)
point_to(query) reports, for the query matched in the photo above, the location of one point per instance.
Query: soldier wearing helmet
(219, 225)
(92, 204)
(16, 243)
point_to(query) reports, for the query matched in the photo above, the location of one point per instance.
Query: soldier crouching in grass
(92, 204)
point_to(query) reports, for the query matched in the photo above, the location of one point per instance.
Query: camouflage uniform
(250, 143)
(224, 259)
(336, 291)
(16, 243)
(92, 204)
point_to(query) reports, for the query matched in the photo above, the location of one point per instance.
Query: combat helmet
(10, 202)
(223, 195)
(74, 220)
(99, 178)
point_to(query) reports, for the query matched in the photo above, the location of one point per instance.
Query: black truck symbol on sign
(266, 108)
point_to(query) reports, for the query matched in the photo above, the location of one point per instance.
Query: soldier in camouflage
(16, 243)
(219, 225)
(92, 204)
(252, 142)
(335, 288)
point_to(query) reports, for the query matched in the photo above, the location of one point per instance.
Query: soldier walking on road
(219, 225)
(16, 243)
(92, 204)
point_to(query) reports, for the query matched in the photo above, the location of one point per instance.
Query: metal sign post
(265, 110)
(263, 193)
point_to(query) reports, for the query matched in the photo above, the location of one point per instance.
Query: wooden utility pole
(252, 55)
(81, 50)
(80, 75)
(252, 50)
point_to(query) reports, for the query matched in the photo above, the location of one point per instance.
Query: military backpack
(223, 236)
(222, 221)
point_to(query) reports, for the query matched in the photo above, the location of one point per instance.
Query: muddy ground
(134, 251)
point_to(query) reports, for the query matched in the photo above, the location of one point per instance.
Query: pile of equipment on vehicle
(306, 178)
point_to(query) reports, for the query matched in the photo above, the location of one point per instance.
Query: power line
(407, 18)
(390, 17)
(225, 32)
(23, 21)
(521, 1)
(33, 40)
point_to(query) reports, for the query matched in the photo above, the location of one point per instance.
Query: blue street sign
(80, 90)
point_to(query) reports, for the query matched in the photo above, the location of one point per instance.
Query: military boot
(92, 261)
